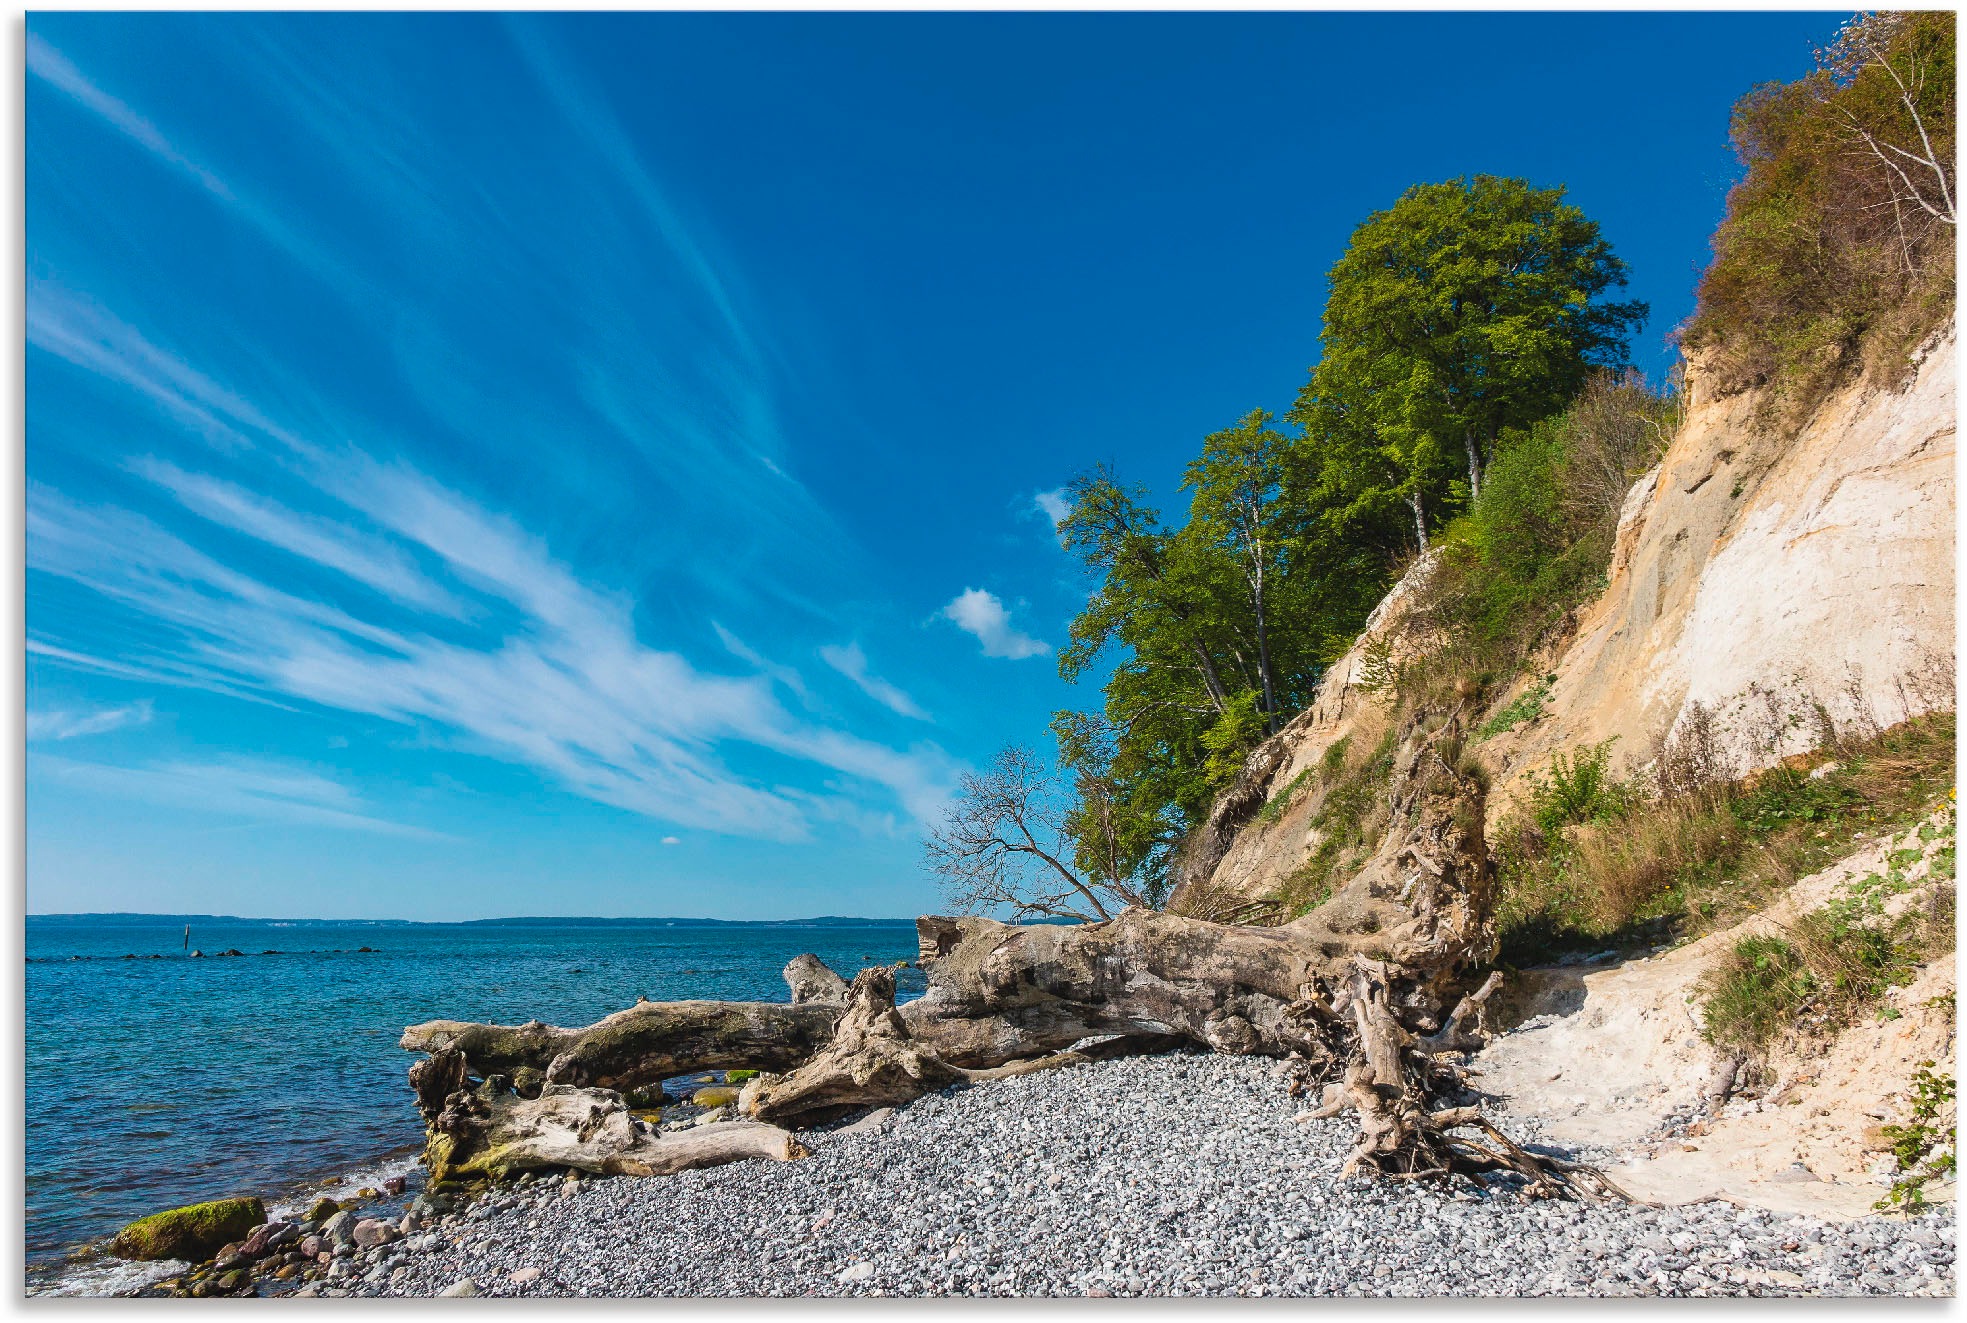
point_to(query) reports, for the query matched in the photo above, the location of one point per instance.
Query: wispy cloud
(49, 64)
(367, 560)
(1053, 505)
(977, 611)
(851, 662)
(565, 686)
(50, 725)
(250, 788)
(382, 584)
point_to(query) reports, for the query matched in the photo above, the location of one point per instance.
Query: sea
(163, 1080)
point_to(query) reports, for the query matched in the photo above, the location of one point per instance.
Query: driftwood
(641, 1046)
(1353, 994)
(494, 1133)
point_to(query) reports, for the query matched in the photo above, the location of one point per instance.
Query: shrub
(1831, 244)
(1585, 858)
(1923, 1147)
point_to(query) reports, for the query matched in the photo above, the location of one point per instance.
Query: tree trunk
(1474, 465)
(1420, 520)
(1353, 992)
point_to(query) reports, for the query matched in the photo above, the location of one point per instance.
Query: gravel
(1176, 1175)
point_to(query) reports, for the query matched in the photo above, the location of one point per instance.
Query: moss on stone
(194, 1232)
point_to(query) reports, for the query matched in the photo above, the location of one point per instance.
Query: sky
(606, 464)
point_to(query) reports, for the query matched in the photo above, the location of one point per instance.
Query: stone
(464, 1286)
(193, 1232)
(312, 1246)
(266, 1239)
(287, 1272)
(856, 1272)
(717, 1095)
(372, 1233)
(321, 1210)
(339, 1230)
(395, 1185)
(524, 1275)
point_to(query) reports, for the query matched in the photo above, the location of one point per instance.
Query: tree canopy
(1467, 311)
(1466, 308)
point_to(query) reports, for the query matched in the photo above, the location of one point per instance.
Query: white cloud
(672, 840)
(367, 560)
(851, 662)
(72, 725)
(566, 686)
(977, 611)
(1053, 505)
(241, 787)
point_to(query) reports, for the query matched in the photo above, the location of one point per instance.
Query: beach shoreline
(1171, 1175)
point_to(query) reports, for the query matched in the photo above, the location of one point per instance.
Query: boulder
(321, 1210)
(718, 1095)
(811, 981)
(339, 1230)
(194, 1232)
(371, 1232)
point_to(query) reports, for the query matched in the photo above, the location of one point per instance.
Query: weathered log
(1353, 993)
(643, 1045)
(874, 1060)
(811, 980)
(491, 1133)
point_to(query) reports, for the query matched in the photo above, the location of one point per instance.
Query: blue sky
(593, 464)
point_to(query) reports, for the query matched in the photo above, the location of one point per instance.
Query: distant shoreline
(515, 921)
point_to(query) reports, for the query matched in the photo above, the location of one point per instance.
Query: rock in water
(194, 1232)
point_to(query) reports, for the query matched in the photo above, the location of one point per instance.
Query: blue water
(154, 1083)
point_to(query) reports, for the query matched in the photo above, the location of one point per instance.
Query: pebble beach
(1179, 1175)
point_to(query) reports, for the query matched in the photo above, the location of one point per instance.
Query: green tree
(1466, 308)
(1238, 508)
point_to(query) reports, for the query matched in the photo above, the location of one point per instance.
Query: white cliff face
(1818, 568)
(1814, 566)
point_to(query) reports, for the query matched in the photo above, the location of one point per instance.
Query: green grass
(1347, 821)
(1526, 706)
(1589, 862)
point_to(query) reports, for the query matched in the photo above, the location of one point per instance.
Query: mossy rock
(645, 1097)
(739, 1076)
(195, 1232)
(321, 1210)
(716, 1096)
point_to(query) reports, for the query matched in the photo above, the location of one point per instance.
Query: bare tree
(1004, 843)
(1918, 174)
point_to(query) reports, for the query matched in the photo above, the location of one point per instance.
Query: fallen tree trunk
(1353, 993)
(641, 1046)
(489, 1132)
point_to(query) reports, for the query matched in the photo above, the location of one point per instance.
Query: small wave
(95, 1274)
(344, 1188)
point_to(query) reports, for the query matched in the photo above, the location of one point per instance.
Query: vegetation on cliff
(1472, 403)
(1838, 246)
